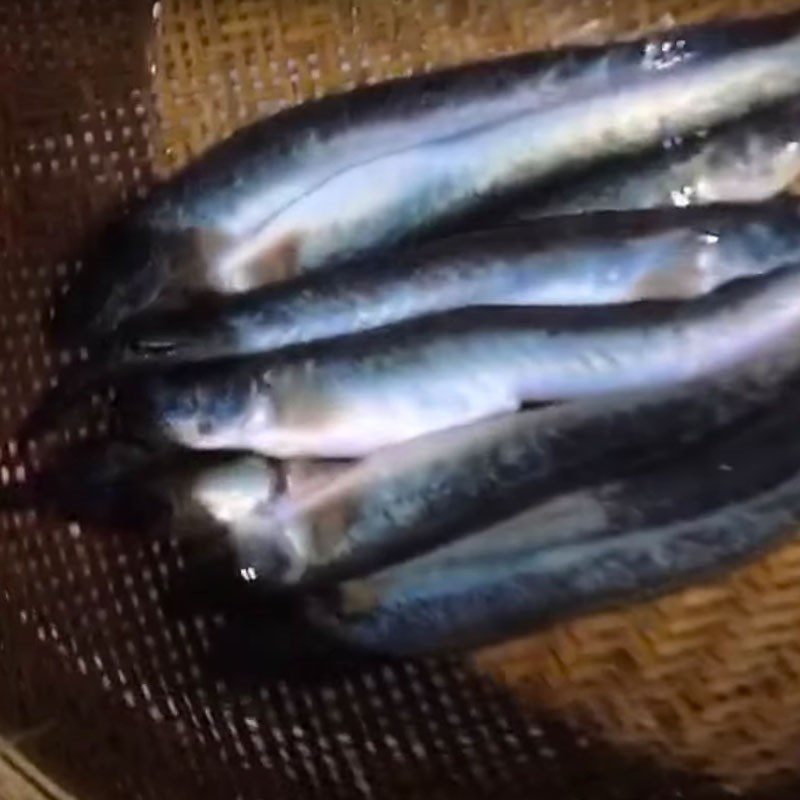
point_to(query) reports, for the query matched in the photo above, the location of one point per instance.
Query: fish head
(268, 527)
(204, 410)
(130, 268)
(237, 489)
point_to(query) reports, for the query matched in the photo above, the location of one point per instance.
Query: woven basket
(693, 696)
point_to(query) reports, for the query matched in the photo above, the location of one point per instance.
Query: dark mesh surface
(103, 688)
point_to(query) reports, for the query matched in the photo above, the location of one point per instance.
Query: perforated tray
(108, 692)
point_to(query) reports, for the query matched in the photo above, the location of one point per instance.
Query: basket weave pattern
(703, 676)
(106, 690)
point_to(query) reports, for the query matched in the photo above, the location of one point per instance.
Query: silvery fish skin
(349, 396)
(348, 174)
(594, 259)
(407, 499)
(746, 161)
(676, 486)
(479, 592)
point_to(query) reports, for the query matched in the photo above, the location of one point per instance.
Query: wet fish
(676, 486)
(591, 259)
(407, 499)
(314, 185)
(745, 161)
(349, 396)
(493, 587)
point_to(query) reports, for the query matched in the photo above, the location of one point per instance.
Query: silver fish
(408, 499)
(591, 259)
(745, 161)
(350, 396)
(348, 174)
(481, 591)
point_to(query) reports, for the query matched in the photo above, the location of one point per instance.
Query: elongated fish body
(348, 174)
(407, 499)
(126, 485)
(594, 259)
(745, 161)
(350, 396)
(457, 598)
(678, 485)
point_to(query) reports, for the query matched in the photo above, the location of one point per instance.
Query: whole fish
(481, 591)
(593, 259)
(745, 161)
(407, 499)
(349, 396)
(326, 181)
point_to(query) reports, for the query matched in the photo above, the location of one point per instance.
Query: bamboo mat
(97, 97)
(709, 678)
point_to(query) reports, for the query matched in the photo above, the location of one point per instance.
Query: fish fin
(275, 263)
(279, 263)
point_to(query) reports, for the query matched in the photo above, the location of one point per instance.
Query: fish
(745, 161)
(350, 396)
(505, 583)
(128, 485)
(408, 499)
(589, 259)
(313, 186)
